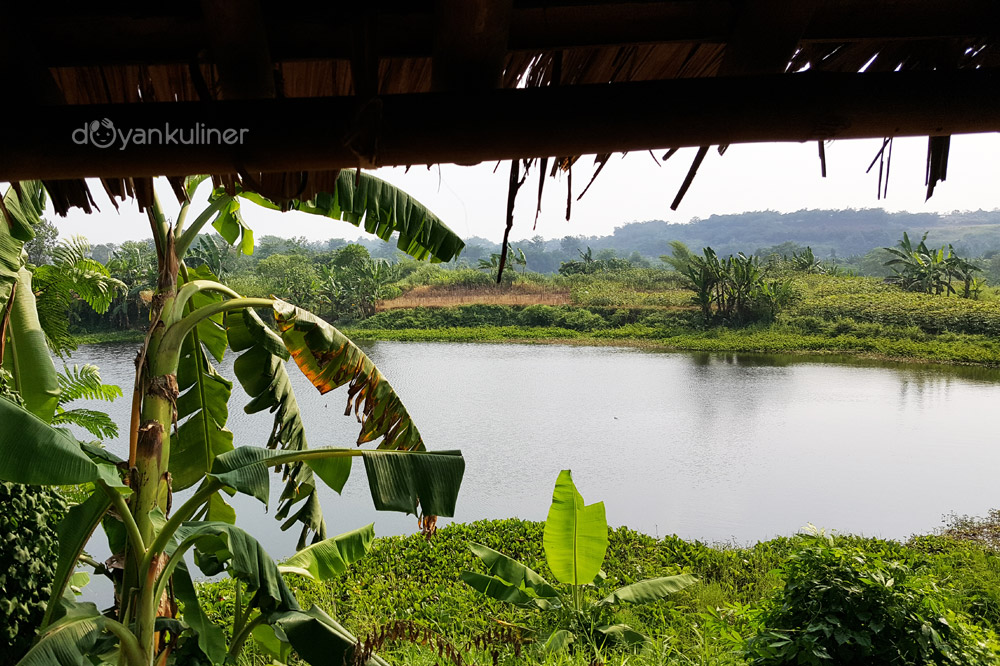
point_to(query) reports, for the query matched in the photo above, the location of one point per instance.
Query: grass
(412, 583)
(101, 337)
(442, 297)
(645, 307)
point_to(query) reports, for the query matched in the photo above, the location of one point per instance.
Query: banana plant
(178, 440)
(575, 542)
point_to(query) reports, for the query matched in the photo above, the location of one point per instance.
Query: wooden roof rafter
(390, 82)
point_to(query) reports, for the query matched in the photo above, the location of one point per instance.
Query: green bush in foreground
(28, 541)
(844, 605)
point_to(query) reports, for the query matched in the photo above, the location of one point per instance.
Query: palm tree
(71, 276)
(134, 264)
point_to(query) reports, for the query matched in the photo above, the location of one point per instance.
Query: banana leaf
(576, 535)
(202, 408)
(74, 532)
(230, 225)
(397, 480)
(652, 589)
(69, 641)
(511, 580)
(319, 639)
(30, 363)
(31, 451)
(220, 546)
(381, 209)
(261, 372)
(23, 205)
(558, 640)
(211, 638)
(26, 355)
(330, 557)
(329, 359)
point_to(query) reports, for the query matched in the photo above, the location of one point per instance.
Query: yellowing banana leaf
(330, 557)
(382, 209)
(329, 359)
(648, 590)
(261, 372)
(31, 451)
(576, 535)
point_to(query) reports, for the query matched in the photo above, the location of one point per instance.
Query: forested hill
(839, 232)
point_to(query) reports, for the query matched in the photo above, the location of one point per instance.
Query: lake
(717, 447)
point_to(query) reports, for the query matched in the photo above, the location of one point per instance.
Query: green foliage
(869, 300)
(932, 271)
(41, 247)
(27, 540)
(515, 258)
(588, 264)
(416, 580)
(575, 540)
(680, 257)
(288, 276)
(85, 384)
(735, 290)
(843, 605)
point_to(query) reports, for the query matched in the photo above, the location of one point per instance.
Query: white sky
(782, 177)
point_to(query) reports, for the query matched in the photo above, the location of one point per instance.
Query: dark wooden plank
(308, 134)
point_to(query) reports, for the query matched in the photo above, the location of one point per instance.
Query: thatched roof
(387, 83)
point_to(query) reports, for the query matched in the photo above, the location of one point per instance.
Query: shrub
(580, 320)
(808, 324)
(539, 315)
(845, 604)
(28, 545)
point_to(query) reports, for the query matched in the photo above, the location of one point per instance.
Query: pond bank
(952, 350)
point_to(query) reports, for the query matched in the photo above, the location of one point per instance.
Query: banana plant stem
(175, 334)
(186, 238)
(127, 519)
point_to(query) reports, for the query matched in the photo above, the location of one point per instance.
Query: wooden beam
(300, 134)
(238, 45)
(67, 40)
(470, 44)
(765, 37)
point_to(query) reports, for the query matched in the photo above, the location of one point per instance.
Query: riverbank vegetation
(937, 306)
(407, 596)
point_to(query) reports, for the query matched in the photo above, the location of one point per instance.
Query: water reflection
(709, 446)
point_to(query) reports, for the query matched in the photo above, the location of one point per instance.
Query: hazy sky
(783, 177)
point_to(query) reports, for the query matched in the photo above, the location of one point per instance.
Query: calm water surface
(715, 447)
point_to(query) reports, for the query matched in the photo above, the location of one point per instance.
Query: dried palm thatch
(211, 54)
